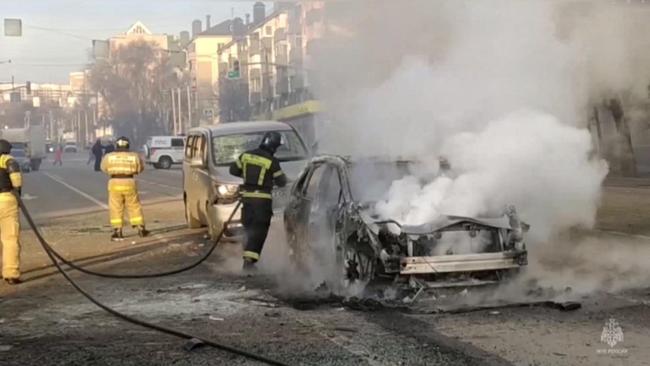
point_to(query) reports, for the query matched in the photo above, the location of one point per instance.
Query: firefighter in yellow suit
(122, 165)
(11, 182)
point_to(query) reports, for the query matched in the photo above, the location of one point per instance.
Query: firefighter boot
(142, 231)
(13, 281)
(117, 235)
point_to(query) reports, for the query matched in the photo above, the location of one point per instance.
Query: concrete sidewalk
(632, 182)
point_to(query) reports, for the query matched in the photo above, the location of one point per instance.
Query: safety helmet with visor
(122, 143)
(271, 141)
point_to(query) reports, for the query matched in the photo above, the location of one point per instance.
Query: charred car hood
(440, 223)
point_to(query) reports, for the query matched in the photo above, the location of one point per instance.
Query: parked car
(330, 219)
(209, 191)
(21, 157)
(164, 151)
(70, 147)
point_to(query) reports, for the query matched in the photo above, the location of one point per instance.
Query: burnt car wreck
(328, 220)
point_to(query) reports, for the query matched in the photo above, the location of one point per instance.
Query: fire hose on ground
(202, 259)
(53, 255)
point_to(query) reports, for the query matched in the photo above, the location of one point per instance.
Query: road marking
(90, 210)
(28, 197)
(74, 189)
(146, 181)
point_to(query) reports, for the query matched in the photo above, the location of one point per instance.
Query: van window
(189, 147)
(227, 148)
(177, 142)
(196, 147)
(200, 148)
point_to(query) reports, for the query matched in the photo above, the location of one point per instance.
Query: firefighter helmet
(5, 146)
(122, 143)
(271, 141)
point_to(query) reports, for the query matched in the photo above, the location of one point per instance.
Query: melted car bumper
(463, 263)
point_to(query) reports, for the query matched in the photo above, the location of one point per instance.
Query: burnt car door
(324, 211)
(311, 213)
(296, 211)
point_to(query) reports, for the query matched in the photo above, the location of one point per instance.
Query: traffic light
(28, 87)
(13, 27)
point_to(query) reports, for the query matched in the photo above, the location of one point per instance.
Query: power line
(54, 30)
(48, 65)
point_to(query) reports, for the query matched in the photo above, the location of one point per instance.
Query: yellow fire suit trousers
(9, 231)
(124, 192)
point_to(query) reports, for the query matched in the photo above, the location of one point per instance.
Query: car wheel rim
(356, 267)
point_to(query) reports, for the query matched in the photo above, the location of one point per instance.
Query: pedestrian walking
(122, 165)
(260, 170)
(10, 186)
(98, 151)
(58, 155)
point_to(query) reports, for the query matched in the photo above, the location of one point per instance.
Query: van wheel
(156, 165)
(192, 222)
(165, 162)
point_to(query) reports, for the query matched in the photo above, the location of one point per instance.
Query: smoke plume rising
(501, 89)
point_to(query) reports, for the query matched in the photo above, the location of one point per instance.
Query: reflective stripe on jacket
(122, 163)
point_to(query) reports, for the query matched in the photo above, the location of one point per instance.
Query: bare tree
(133, 84)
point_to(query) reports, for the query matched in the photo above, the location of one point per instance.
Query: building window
(255, 85)
(269, 30)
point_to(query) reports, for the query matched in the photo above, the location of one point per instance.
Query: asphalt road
(76, 188)
(275, 312)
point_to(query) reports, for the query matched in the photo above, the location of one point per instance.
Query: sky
(57, 34)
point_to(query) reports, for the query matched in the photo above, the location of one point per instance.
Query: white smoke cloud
(527, 158)
(502, 98)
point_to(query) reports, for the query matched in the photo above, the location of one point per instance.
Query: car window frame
(334, 170)
(203, 148)
(307, 184)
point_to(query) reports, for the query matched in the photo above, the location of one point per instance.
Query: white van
(163, 151)
(209, 191)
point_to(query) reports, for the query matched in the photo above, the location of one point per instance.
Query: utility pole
(87, 137)
(96, 113)
(173, 112)
(78, 130)
(51, 125)
(180, 118)
(189, 108)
